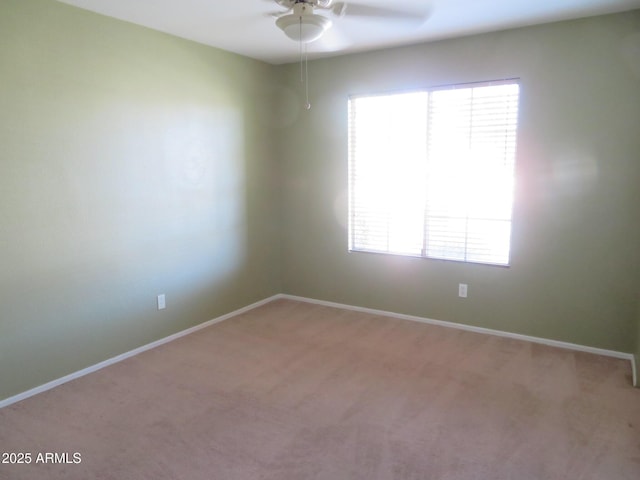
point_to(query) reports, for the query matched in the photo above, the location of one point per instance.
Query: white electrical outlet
(462, 290)
(162, 303)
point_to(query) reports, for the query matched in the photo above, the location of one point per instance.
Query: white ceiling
(244, 26)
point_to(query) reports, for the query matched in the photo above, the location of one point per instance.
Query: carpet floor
(294, 391)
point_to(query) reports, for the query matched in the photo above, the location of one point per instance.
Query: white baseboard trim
(470, 328)
(554, 343)
(634, 370)
(81, 373)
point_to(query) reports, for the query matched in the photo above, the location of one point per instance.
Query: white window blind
(431, 173)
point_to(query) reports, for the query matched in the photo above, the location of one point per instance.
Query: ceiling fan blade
(286, 4)
(277, 14)
(350, 9)
(283, 3)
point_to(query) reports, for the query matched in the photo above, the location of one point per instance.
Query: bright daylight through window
(431, 173)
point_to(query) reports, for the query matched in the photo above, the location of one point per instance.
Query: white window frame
(399, 159)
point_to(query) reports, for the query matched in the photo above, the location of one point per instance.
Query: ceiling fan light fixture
(304, 28)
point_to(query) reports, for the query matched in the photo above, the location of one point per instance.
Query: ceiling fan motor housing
(315, 3)
(303, 25)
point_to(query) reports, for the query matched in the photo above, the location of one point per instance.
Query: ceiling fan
(299, 21)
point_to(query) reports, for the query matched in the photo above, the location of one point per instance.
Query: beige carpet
(292, 391)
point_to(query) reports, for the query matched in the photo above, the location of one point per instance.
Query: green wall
(637, 351)
(132, 163)
(575, 269)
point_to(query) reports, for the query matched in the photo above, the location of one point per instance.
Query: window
(431, 173)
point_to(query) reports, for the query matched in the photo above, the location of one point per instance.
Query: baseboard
(554, 343)
(635, 361)
(470, 328)
(81, 373)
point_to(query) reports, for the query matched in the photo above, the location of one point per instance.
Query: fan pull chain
(306, 74)
(304, 68)
(301, 71)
